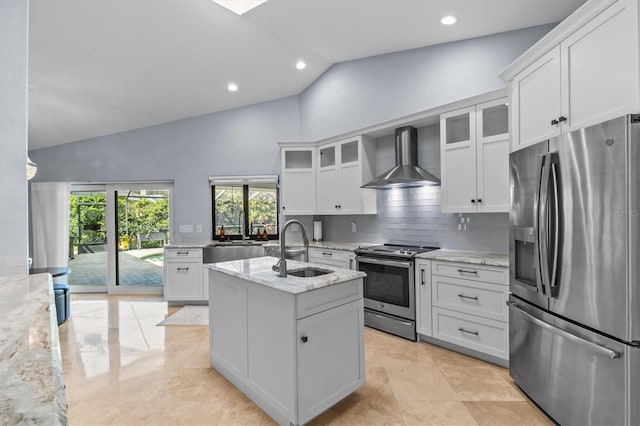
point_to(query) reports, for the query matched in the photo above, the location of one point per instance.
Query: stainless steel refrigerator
(574, 311)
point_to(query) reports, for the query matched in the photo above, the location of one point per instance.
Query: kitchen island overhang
(294, 345)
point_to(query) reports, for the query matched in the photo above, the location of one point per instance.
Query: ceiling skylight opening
(232, 87)
(240, 6)
(301, 65)
(449, 20)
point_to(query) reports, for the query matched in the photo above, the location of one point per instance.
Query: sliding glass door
(117, 237)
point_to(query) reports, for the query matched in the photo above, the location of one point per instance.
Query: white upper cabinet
(474, 150)
(585, 71)
(298, 192)
(342, 167)
(535, 101)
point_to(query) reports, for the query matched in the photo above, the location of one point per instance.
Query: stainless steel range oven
(389, 288)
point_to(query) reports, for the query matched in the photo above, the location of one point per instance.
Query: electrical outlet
(186, 229)
(198, 228)
(353, 227)
(295, 227)
(459, 227)
(462, 220)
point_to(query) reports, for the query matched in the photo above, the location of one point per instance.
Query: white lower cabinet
(464, 305)
(294, 355)
(183, 275)
(330, 257)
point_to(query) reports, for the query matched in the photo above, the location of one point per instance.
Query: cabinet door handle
(327, 254)
(468, 297)
(282, 207)
(473, 201)
(304, 339)
(465, 271)
(182, 269)
(182, 253)
(479, 200)
(554, 122)
(339, 206)
(475, 333)
(421, 276)
(562, 118)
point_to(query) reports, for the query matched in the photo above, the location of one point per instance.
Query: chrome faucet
(281, 266)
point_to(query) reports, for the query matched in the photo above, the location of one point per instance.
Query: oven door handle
(384, 262)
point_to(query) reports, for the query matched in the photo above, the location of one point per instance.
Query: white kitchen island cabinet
(294, 346)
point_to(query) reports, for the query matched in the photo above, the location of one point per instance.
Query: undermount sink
(308, 272)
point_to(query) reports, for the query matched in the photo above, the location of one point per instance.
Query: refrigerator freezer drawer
(578, 377)
(480, 334)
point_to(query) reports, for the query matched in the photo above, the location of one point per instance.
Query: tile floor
(120, 368)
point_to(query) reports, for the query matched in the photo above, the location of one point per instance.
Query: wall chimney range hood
(406, 173)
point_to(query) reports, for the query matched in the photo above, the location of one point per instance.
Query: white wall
(13, 136)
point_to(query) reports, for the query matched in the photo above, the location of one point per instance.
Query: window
(244, 206)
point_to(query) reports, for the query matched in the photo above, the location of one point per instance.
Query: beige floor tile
(445, 358)
(420, 383)
(481, 384)
(506, 413)
(372, 404)
(437, 413)
(120, 368)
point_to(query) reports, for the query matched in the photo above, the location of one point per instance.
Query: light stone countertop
(32, 390)
(318, 244)
(474, 257)
(258, 270)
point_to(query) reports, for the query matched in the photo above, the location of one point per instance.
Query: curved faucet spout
(281, 266)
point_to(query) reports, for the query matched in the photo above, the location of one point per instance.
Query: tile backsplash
(412, 216)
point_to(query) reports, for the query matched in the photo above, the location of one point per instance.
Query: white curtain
(50, 223)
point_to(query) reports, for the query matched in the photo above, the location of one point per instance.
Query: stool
(65, 310)
(60, 310)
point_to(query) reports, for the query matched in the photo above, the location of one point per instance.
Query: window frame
(245, 210)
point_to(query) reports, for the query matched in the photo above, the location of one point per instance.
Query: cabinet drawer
(182, 254)
(315, 301)
(335, 255)
(469, 271)
(183, 281)
(471, 297)
(473, 332)
(330, 263)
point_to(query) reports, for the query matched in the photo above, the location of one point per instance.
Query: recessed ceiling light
(301, 65)
(449, 20)
(232, 87)
(240, 6)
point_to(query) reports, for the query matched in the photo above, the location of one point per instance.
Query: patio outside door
(133, 227)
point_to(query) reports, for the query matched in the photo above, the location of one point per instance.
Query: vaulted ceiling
(105, 66)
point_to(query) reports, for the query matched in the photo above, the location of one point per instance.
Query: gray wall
(238, 141)
(412, 215)
(349, 96)
(357, 94)
(13, 135)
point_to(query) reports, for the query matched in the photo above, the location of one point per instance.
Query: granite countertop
(258, 270)
(32, 390)
(330, 245)
(318, 244)
(475, 257)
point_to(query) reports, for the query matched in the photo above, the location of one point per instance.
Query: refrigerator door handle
(570, 336)
(556, 226)
(543, 225)
(536, 224)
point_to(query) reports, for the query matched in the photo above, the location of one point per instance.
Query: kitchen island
(294, 345)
